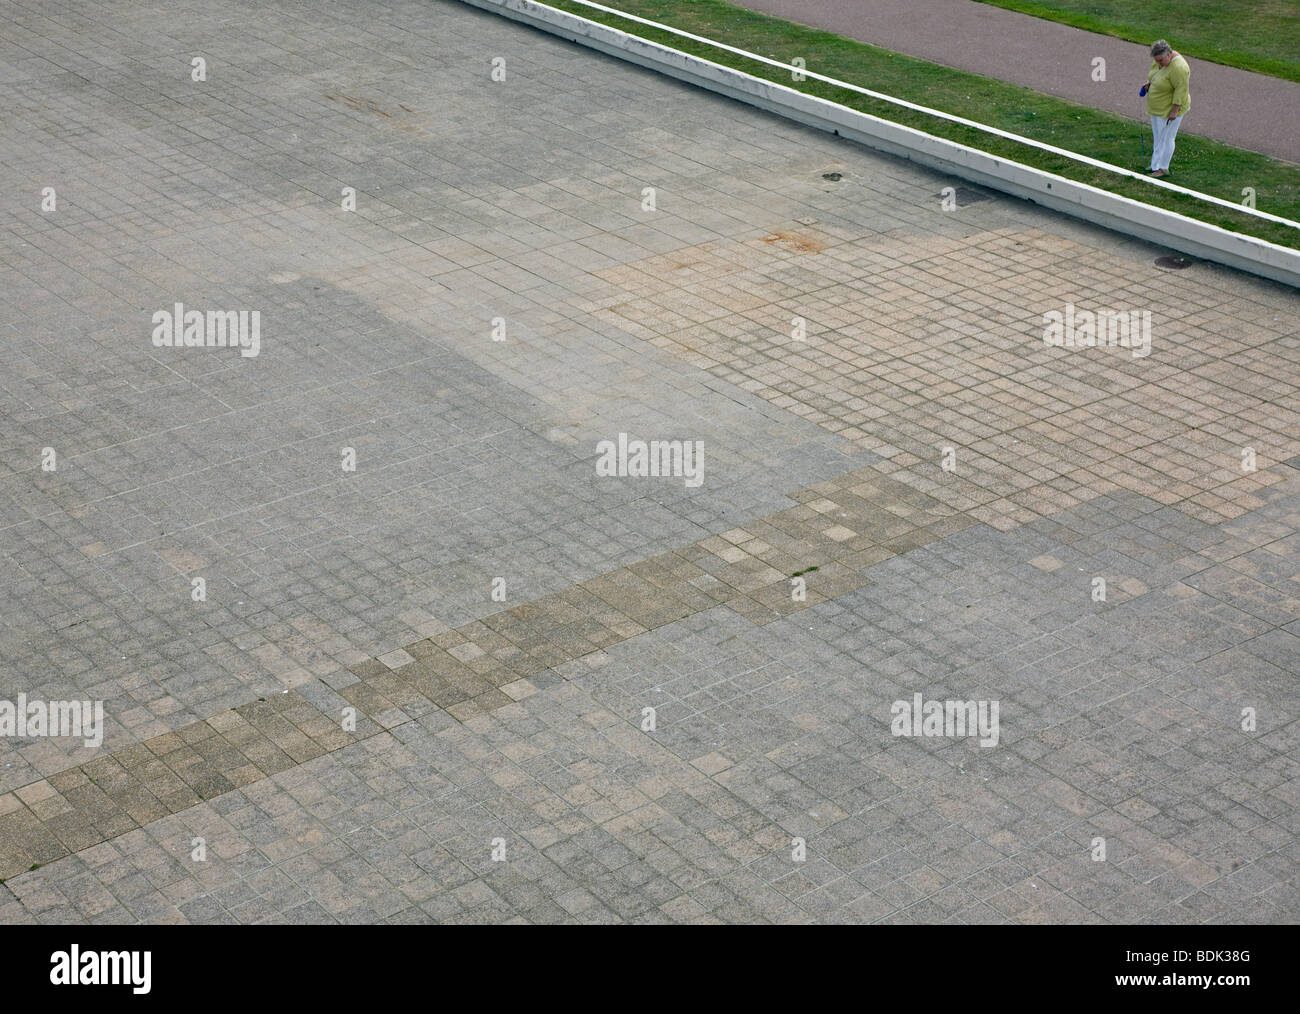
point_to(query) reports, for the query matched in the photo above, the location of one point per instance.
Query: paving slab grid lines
(519, 207)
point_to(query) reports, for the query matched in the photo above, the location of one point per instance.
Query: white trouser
(1163, 133)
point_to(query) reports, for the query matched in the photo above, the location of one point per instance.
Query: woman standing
(1168, 100)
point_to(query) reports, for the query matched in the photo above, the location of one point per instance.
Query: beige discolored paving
(912, 346)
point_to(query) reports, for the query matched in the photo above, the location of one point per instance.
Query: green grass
(1259, 35)
(1199, 164)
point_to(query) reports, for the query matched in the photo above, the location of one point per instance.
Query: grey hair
(1160, 46)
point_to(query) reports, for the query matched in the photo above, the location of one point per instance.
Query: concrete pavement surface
(605, 488)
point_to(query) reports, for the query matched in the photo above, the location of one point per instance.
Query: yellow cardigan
(1169, 87)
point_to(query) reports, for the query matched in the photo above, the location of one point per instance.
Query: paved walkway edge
(1122, 214)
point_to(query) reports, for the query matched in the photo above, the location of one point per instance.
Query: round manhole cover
(833, 177)
(1175, 261)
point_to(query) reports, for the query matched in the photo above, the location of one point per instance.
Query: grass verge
(1200, 164)
(1258, 35)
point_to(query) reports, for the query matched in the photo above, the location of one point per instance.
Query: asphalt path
(1240, 108)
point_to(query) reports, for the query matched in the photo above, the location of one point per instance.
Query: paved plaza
(377, 641)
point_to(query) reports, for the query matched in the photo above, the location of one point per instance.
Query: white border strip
(1123, 214)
